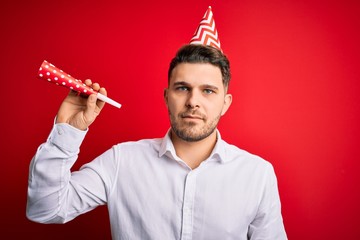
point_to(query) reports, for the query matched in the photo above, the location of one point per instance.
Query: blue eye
(208, 91)
(182, 88)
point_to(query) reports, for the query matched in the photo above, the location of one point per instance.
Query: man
(190, 184)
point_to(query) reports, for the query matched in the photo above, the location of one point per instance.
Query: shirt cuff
(67, 137)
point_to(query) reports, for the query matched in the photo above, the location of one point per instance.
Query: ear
(227, 103)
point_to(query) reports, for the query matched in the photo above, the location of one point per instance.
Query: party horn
(55, 75)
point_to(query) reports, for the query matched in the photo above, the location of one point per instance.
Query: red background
(295, 84)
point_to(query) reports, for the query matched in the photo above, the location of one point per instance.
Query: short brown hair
(197, 53)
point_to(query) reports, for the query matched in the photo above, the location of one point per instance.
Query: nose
(193, 100)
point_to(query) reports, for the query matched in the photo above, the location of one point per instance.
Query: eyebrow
(207, 86)
(181, 83)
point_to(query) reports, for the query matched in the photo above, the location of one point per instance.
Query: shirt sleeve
(268, 223)
(55, 194)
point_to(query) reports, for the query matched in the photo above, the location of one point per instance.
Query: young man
(188, 185)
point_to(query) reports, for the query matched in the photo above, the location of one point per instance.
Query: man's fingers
(95, 86)
(100, 103)
(93, 103)
(88, 82)
(103, 91)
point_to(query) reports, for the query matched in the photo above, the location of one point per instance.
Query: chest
(205, 202)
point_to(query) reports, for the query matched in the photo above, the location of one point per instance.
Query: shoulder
(143, 145)
(141, 142)
(238, 156)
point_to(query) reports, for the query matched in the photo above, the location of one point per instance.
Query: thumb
(91, 102)
(89, 113)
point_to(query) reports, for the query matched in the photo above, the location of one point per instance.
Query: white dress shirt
(152, 194)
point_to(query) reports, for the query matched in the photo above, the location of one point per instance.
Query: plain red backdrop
(295, 84)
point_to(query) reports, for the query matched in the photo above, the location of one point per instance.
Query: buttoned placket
(188, 206)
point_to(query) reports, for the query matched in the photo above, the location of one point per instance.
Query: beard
(192, 131)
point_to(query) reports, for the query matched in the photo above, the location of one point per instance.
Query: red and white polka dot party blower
(55, 75)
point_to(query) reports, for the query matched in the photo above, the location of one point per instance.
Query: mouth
(191, 116)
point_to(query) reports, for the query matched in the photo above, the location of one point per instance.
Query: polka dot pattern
(55, 75)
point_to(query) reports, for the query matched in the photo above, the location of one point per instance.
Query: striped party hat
(206, 32)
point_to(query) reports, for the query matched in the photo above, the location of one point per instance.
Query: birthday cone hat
(206, 32)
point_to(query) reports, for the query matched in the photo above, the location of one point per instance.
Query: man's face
(196, 99)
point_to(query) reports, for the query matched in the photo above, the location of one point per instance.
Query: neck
(193, 153)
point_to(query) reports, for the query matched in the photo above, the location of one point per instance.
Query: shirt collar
(167, 146)
(218, 153)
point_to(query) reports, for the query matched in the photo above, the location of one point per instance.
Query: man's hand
(80, 111)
